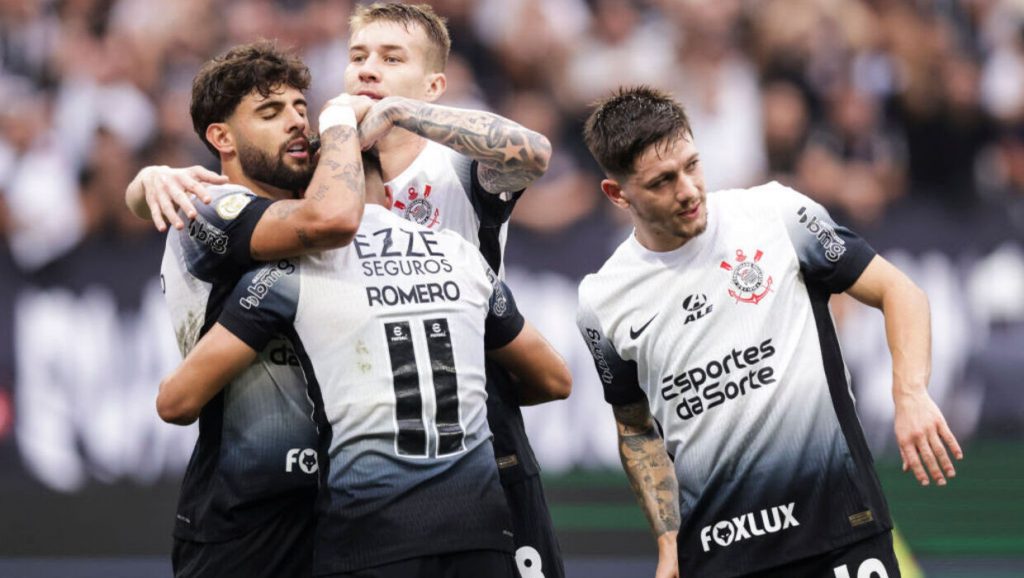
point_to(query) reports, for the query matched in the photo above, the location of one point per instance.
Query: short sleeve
(221, 234)
(618, 376)
(263, 304)
(829, 254)
(504, 321)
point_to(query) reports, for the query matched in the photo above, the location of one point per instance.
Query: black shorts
(870, 558)
(537, 551)
(282, 547)
(469, 564)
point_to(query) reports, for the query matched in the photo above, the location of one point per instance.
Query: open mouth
(690, 213)
(298, 148)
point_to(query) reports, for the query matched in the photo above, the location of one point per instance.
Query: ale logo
(696, 306)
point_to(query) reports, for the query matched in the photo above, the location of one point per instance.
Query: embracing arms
(509, 156)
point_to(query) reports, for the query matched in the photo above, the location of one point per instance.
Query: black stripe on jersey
(842, 402)
(412, 434)
(446, 387)
(493, 212)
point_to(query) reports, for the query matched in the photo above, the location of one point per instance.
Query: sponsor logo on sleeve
(826, 235)
(201, 231)
(749, 281)
(231, 206)
(263, 282)
(746, 526)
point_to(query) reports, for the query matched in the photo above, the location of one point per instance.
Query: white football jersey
(730, 341)
(440, 191)
(391, 331)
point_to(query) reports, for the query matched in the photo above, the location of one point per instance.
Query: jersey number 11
(412, 432)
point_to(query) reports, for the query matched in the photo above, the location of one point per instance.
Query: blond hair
(407, 15)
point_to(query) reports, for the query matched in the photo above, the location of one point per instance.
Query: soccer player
(391, 332)
(448, 168)
(246, 504)
(711, 320)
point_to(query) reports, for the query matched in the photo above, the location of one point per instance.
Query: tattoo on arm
(510, 155)
(650, 472)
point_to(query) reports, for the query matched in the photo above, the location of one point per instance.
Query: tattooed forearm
(510, 155)
(648, 468)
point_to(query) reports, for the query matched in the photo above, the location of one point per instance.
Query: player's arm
(539, 370)
(217, 359)
(157, 193)
(509, 156)
(653, 478)
(921, 430)
(329, 213)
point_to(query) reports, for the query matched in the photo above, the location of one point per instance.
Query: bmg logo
(305, 458)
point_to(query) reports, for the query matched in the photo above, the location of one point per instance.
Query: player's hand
(167, 190)
(923, 438)
(379, 121)
(668, 558)
(359, 104)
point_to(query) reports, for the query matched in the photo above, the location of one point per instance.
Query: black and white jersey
(255, 452)
(440, 190)
(391, 331)
(730, 341)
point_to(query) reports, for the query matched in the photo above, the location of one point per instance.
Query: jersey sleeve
(263, 304)
(504, 321)
(618, 376)
(493, 209)
(221, 233)
(829, 254)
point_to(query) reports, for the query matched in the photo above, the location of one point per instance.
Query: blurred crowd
(858, 103)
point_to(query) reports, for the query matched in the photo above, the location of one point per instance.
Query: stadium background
(906, 119)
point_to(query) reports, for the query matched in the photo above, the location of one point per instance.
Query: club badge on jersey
(749, 279)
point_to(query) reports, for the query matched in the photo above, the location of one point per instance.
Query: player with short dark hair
(448, 169)
(712, 321)
(391, 332)
(246, 504)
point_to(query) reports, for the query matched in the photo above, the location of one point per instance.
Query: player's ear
(613, 191)
(437, 83)
(219, 135)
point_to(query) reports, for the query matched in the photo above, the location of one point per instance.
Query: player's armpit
(540, 371)
(647, 466)
(217, 359)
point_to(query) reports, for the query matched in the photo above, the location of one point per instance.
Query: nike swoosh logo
(634, 333)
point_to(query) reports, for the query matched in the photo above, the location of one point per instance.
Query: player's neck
(237, 176)
(398, 150)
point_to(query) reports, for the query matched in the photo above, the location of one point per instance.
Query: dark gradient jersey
(391, 331)
(255, 453)
(440, 190)
(730, 340)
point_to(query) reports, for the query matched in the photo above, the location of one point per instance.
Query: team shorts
(870, 558)
(537, 552)
(283, 546)
(468, 564)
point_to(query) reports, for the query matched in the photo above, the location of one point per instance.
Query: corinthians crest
(748, 278)
(418, 207)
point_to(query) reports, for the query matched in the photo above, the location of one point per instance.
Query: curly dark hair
(622, 126)
(223, 82)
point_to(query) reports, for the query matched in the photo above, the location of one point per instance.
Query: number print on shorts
(870, 568)
(528, 562)
(412, 437)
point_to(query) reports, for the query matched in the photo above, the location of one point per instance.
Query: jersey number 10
(412, 436)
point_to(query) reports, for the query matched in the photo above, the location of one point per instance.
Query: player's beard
(262, 166)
